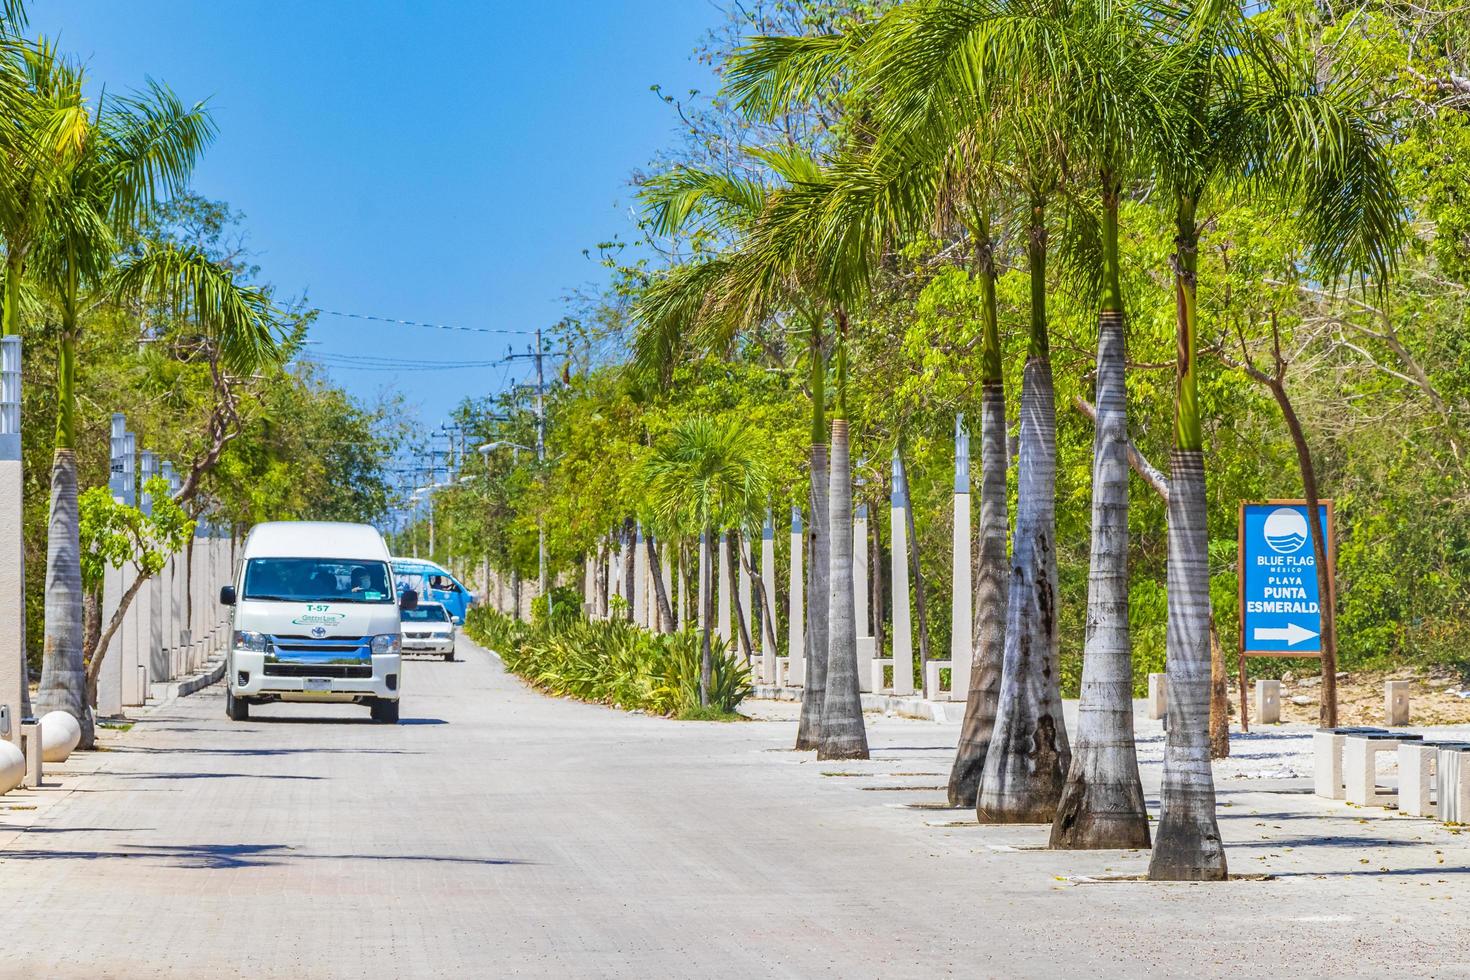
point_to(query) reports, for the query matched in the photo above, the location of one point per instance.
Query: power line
(418, 323)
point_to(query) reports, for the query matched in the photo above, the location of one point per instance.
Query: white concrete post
(640, 578)
(796, 619)
(1268, 702)
(903, 634)
(700, 576)
(684, 605)
(114, 581)
(768, 592)
(1396, 703)
(1157, 696)
(144, 628)
(722, 573)
(589, 592)
(867, 649)
(961, 623)
(12, 544)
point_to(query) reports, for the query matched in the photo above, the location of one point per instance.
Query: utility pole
(541, 463)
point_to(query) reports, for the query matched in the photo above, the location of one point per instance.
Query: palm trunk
(1188, 846)
(843, 735)
(991, 574)
(630, 559)
(655, 569)
(63, 670)
(742, 630)
(1103, 805)
(814, 689)
(766, 619)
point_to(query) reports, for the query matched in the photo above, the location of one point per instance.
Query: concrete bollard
(60, 734)
(1268, 703)
(898, 579)
(30, 734)
(1157, 704)
(12, 766)
(1396, 703)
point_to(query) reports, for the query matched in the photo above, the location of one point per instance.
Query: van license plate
(316, 684)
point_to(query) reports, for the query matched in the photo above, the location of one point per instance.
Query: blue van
(434, 583)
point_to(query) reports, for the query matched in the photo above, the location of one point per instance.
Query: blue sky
(440, 160)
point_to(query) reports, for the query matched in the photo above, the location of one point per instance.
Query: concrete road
(497, 832)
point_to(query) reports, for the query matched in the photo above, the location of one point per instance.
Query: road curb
(944, 712)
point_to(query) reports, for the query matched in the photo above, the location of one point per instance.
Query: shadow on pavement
(228, 856)
(150, 750)
(214, 775)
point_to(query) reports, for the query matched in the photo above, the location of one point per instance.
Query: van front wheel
(237, 709)
(385, 712)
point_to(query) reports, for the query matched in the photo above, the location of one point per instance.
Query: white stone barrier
(60, 734)
(12, 765)
(1396, 703)
(1157, 696)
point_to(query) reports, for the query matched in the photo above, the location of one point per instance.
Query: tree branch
(1150, 474)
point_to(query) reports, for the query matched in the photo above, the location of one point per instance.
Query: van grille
(317, 670)
(310, 651)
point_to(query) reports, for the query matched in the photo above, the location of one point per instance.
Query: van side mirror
(409, 600)
(227, 595)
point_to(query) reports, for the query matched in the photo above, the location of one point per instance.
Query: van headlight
(386, 643)
(251, 641)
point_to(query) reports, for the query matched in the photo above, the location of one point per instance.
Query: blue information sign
(1280, 604)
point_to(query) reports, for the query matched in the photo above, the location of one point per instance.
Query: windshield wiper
(270, 598)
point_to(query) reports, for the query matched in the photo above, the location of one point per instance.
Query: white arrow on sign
(1291, 633)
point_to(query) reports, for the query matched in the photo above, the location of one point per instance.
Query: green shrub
(611, 662)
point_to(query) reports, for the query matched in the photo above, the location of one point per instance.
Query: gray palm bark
(843, 735)
(1102, 805)
(63, 673)
(991, 585)
(1026, 764)
(1188, 846)
(665, 618)
(814, 691)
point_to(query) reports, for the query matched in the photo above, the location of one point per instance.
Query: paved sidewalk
(498, 832)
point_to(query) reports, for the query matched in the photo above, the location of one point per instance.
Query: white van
(316, 619)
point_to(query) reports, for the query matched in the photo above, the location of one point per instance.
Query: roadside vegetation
(614, 663)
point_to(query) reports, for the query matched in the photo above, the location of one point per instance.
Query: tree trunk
(767, 614)
(1188, 846)
(630, 556)
(63, 672)
(991, 580)
(731, 568)
(1102, 805)
(843, 735)
(655, 570)
(1327, 717)
(814, 690)
(91, 628)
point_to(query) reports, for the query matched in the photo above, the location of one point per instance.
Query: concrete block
(1396, 703)
(1417, 766)
(867, 651)
(1360, 767)
(932, 681)
(1452, 783)
(875, 668)
(1327, 764)
(31, 745)
(1268, 703)
(1157, 704)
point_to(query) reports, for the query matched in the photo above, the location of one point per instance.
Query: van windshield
(317, 580)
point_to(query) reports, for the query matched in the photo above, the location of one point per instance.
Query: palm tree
(1242, 109)
(713, 297)
(123, 156)
(707, 475)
